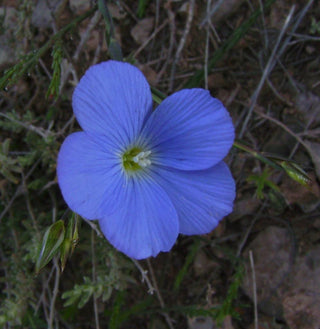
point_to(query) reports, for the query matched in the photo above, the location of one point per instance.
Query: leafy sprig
(54, 87)
(27, 62)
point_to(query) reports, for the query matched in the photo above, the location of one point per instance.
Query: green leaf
(70, 240)
(85, 296)
(114, 48)
(51, 243)
(296, 172)
(261, 181)
(106, 294)
(190, 257)
(28, 61)
(37, 184)
(142, 8)
(53, 90)
(102, 6)
(227, 307)
(115, 51)
(71, 297)
(64, 252)
(9, 176)
(292, 169)
(6, 146)
(157, 95)
(116, 315)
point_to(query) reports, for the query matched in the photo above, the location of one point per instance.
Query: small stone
(301, 297)
(7, 53)
(271, 251)
(42, 16)
(244, 207)
(201, 322)
(11, 18)
(306, 197)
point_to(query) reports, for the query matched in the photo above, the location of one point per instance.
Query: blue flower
(146, 175)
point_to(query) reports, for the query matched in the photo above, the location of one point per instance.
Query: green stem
(256, 155)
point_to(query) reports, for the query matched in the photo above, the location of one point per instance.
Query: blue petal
(202, 198)
(113, 97)
(89, 174)
(146, 224)
(190, 130)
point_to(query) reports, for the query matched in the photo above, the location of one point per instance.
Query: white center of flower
(142, 159)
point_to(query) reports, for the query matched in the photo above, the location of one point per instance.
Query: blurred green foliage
(315, 26)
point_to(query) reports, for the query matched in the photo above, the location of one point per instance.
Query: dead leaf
(116, 11)
(149, 73)
(217, 80)
(142, 30)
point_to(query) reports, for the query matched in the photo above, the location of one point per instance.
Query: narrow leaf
(190, 257)
(115, 51)
(51, 243)
(70, 240)
(142, 5)
(102, 6)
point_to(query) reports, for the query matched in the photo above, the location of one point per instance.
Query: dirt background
(270, 83)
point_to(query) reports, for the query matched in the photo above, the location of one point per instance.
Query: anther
(142, 159)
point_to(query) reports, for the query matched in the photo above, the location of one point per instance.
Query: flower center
(135, 159)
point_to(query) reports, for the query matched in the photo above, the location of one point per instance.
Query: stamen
(142, 159)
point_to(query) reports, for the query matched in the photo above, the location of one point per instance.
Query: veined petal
(146, 224)
(89, 174)
(190, 130)
(202, 198)
(113, 97)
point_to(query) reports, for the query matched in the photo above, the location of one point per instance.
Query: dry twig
(254, 289)
(162, 304)
(182, 43)
(267, 70)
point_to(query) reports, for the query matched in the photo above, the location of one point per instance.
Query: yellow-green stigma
(135, 159)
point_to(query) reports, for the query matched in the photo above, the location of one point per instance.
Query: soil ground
(260, 268)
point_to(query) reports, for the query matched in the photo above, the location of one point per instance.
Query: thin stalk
(55, 293)
(256, 155)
